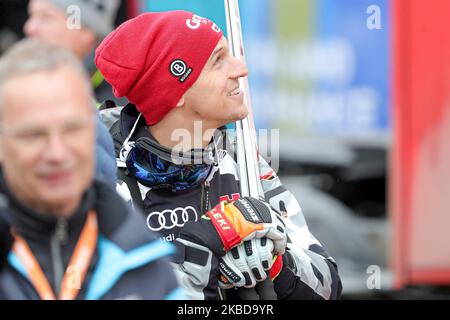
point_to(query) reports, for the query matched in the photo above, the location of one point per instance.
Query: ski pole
(246, 146)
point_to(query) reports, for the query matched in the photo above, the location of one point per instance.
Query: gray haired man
(74, 237)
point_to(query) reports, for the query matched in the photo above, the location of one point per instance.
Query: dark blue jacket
(105, 165)
(128, 263)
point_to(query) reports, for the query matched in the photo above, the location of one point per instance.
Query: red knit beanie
(156, 57)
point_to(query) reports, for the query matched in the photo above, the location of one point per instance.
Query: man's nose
(56, 150)
(30, 27)
(239, 69)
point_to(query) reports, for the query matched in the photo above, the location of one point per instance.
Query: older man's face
(47, 138)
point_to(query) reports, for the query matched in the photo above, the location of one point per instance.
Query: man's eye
(46, 16)
(73, 127)
(218, 60)
(31, 135)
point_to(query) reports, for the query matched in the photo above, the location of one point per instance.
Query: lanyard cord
(76, 270)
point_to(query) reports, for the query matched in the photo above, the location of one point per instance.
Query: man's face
(215, 96)
(47, 138)
(49, 24)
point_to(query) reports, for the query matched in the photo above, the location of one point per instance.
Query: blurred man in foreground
(74, 238)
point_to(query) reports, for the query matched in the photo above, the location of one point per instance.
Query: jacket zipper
(206, 206)
(205, 201)
(58, 238)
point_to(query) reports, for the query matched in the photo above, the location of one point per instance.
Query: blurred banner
(420, 202)
(319, 67)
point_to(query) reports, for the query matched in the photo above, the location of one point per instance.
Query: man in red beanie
(183, 86)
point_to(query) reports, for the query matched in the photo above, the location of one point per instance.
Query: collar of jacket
(38, 225)
(129, 115)
(124, 242)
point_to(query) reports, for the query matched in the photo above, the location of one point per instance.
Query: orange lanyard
(76, 270)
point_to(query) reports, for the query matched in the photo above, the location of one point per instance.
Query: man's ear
(180, 102)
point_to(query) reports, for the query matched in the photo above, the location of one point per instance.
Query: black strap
(132, 184)
(185, 253)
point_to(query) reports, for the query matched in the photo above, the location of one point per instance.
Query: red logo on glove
(220, 219)
(227, 234)
(228, 198)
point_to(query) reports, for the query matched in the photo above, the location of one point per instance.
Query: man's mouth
(235, 92)
(59, 177)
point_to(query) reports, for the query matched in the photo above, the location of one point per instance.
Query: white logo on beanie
(179, 69)
(215, 28)
(197, 21)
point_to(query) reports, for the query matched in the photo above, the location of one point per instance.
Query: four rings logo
(169, 219)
